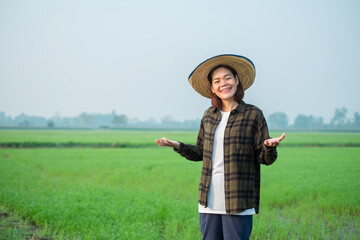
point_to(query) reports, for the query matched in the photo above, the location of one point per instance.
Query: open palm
(273, 142)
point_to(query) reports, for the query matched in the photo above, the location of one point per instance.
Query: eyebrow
(229, 74)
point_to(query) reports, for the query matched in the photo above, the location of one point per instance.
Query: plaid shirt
(244, 151)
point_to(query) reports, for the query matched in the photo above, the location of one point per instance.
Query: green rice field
(146, 138)
(147, 192)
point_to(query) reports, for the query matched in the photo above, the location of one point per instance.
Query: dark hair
(239, 95)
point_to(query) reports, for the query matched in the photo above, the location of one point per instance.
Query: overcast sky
(134, 57)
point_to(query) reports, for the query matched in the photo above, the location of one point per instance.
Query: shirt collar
(240, 108)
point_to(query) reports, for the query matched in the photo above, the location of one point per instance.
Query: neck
(228, 106)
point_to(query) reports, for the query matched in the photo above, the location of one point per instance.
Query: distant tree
(308, 122)
(356, 122)
(317, 122)
(50, 123)
(3, 119)
(191, 123)
(151, 122)
(278, 120)
(119, 120)
(169, 122)
(24, 123)
(301, 121)
(339, 117)
(85, 119)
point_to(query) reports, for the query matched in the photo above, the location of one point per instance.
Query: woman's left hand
(274, 142)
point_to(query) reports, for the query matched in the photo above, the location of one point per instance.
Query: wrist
(176, 145)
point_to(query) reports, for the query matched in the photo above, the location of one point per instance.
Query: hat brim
(244, 68)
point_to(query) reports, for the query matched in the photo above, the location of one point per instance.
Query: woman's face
(224, 84)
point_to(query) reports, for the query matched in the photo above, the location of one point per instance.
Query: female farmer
(233, 141)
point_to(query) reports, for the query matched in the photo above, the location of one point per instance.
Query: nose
(222, 82)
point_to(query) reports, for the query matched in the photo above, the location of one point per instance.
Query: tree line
(278, 120)
(87, 120)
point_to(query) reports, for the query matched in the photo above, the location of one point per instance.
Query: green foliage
(339, 117)
(103, 193)
(308, 122)
(356, 122)
(319, 139)
(120, 120)
(278, 120)
(137, 139)
(311, 193)
(50, 123)
(15, 227)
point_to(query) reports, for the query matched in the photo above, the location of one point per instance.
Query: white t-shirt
(216, 193)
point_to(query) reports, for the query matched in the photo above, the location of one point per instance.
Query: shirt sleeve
(193, 152)
(265, 155)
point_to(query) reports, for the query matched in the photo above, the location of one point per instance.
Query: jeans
(227, 227)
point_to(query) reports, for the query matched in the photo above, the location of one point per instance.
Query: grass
(93, 136)
(13, 226)
(104, 193)
(151, 193)
(311, 193)
(139, 139)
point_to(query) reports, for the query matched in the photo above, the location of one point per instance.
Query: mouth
(226, 90)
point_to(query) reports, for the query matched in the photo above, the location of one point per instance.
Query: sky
(66, 57)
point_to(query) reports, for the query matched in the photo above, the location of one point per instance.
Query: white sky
(134, 57)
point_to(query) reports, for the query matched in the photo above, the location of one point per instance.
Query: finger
(278, 138)
(163, 140)
(158, 142)
(281, 137)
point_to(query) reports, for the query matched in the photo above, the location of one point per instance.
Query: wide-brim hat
(244, 68)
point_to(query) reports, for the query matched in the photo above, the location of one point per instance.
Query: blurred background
(128, 61)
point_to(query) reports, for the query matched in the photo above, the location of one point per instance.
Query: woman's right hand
(166, 142)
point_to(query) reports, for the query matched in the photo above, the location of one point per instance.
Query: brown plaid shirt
(244, 151)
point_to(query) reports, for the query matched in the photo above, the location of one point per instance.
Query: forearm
(189, 151)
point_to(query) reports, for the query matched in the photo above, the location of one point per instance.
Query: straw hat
(244, 68)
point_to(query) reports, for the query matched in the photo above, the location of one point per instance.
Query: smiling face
(224, 84)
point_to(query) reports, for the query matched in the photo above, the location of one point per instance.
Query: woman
(233, 141)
